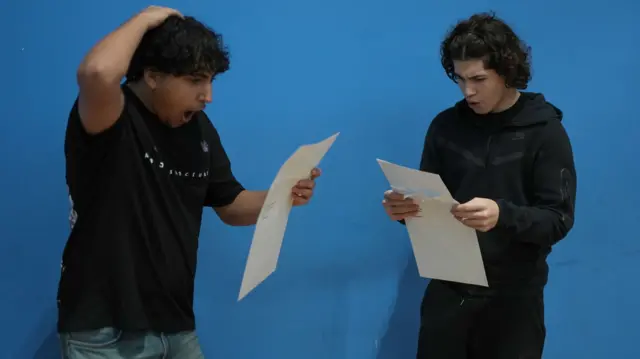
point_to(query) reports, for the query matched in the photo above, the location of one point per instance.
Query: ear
(152, 78)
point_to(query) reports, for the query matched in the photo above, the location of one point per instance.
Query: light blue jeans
(110, 343)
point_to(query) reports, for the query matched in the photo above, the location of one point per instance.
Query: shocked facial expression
(177, 98)
(483, 89)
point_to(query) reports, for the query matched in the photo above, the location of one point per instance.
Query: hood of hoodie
(533, 109)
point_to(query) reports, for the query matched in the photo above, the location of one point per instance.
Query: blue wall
(347, 285)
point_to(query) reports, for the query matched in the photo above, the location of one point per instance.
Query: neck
(144, 94)
(509, 99)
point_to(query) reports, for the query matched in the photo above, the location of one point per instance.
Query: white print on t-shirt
(174, 172)
(73, 215)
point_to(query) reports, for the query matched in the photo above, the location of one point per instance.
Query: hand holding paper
(303, 190)
(480, 214)
(444, 248)
(295, 178)
(399, 206)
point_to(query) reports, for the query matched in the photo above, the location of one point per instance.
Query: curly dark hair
(485, 36)
(179, 46)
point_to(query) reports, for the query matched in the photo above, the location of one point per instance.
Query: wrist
(142, 22)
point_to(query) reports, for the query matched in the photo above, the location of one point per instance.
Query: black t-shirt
(137, 192)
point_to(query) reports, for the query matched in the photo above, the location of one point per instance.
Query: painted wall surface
(347, 284)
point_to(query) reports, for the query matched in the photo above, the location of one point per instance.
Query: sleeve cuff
(505, 214)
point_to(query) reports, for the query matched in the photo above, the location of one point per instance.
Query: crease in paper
(274, 215)
(444, 248)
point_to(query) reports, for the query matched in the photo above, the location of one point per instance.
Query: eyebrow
(474, 77)
(201, 75)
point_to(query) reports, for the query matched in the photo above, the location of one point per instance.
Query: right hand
(398, 207)
(156, 15)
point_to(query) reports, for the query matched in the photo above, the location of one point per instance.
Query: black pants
(455, 326)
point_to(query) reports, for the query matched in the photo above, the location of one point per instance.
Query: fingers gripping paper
(443, 247)
(273, 218)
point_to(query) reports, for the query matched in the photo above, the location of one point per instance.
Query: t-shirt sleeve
(223, 186)
(89, 157)
(79, 142)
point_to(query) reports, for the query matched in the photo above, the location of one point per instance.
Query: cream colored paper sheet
(272, 222)
(443, 247)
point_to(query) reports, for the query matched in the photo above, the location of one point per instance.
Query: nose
(468, 90)
(207, 95)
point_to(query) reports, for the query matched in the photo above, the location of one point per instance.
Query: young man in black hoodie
(505, 156)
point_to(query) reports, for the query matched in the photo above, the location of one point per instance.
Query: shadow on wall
(401, 337)
(48, 346)
(402, 327)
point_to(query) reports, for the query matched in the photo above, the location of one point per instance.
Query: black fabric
(455, 325)
(137, 192)
(521, 158)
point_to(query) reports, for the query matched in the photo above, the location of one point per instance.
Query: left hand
(480, 214)
(303, 190)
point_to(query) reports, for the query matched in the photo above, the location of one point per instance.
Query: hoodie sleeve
(551, 215)
(429, 161)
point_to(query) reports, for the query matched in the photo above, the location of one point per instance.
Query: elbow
(237, 221)
(233, 221)
(231, 218)
(228, 218)
(91, 72)
(561, 229)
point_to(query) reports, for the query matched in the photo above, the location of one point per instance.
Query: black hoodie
(521, 158)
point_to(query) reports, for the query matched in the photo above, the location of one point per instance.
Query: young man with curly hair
(505, 156)
(142, 161)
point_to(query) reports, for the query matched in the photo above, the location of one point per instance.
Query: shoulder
(552, 134)
(74, 115)
(443, 118)
(129, 108)
(211, 136)
(554, 127)
(449, 115)
(551, 144)
(77, 138)
(445, 115)
(543, 118)
(209, 131)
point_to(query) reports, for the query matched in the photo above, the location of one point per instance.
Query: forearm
(551, 212)
(540, 225)
(110, 58)
(244, 210)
